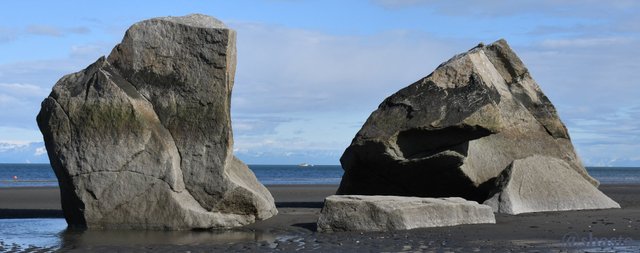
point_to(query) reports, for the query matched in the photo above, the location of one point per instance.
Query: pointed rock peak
(506, 61)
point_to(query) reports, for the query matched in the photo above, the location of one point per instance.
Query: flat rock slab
(541, 183)
(385, 213)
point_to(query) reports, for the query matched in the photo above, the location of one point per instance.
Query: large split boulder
(455, 131)
(386, 213)
(142, 138)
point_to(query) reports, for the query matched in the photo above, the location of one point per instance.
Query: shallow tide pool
(52, 234)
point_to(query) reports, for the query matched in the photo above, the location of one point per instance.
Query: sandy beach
(293, 229)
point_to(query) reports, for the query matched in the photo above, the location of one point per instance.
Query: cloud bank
(302, 92)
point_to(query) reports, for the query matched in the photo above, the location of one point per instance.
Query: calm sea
(42, 174)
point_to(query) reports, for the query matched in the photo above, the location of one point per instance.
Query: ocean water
(23, 174)
(42, 174)
(34, 175)
(294, 174)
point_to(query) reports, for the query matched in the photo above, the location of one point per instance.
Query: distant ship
(305, 165)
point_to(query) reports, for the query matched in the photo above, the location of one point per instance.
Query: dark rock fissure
(418, 143)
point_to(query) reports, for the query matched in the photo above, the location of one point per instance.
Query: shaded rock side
(143, 139)
(540, 183)
(385, 213)
(453, 132)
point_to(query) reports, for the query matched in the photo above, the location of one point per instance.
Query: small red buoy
(15, 177)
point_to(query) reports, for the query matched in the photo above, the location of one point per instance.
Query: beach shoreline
(299, 206)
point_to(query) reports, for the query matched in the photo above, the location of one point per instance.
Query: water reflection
(20, 234)
(53, 234)
(142, 237)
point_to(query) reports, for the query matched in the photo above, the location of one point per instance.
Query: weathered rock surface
(385, 213)
(540, 183)
(453, 132)
(142, 138)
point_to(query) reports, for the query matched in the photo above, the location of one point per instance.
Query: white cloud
(292, 70)
(401, 3)
(89, 51)
(11, 135)
(25, 84)
(40, 151)
(585, 42)
(19, 104)
(20, 152)
(12, 145)
(53, 31)
(257, 124)
(305, 92)
(44, 30)
(7, 34)
(499, 8)
(591, 79)
(23, 90)
(286, 150)
(42, 72)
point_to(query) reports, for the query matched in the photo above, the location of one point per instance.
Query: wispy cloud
(288, 150)
(19, 104)
(40, 151)
(293, 70)
(16, 135)
(47, 30)
(285, 71)
(12, 145)
(7, 34)
(11, 34)
(257, 124)
(89, 51)
(23, 90)
(21, 152)
(494, 8)
(302, 92)
(585, 42)
(299, 92)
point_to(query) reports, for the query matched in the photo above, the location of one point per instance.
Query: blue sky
(310, 72)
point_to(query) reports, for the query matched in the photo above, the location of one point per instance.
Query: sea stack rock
(142, 138)
(452, 133)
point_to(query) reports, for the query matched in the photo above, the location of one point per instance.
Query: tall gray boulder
(142, 138)
(453, 132)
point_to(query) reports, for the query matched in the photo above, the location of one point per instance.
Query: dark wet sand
(44, 202)
(293, 229)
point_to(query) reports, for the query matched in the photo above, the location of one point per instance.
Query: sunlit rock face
(388, 213)
(455, 131)
(142, 138)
